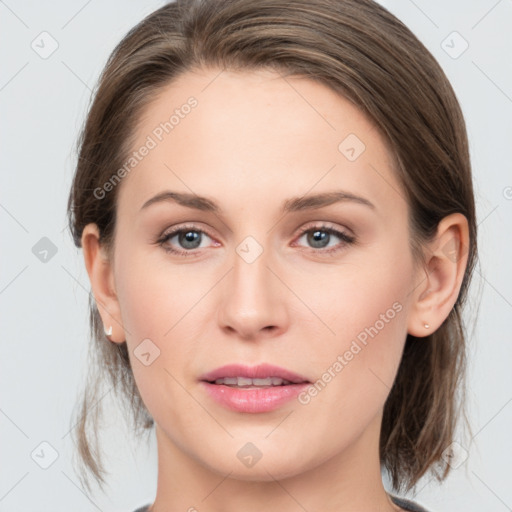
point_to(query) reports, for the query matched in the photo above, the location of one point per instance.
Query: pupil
(319, 236)
(190, 237)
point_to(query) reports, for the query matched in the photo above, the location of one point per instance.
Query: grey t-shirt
(409, 505)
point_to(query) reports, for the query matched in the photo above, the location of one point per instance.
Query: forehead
(238, 135)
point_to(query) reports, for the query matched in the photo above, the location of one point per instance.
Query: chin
(249, 463)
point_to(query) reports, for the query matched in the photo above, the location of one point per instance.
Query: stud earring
(109, 332)
(426, 326)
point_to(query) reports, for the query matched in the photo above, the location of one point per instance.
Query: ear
(101, 276)
(440, 282)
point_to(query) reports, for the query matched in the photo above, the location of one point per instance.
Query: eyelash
(346, 239)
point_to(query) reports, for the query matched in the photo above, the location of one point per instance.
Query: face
(264, 269)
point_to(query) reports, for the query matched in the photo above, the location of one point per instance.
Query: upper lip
(262, 371)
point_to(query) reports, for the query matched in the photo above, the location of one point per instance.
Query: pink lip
(253, 400)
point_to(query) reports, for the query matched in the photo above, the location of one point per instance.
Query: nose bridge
(251, 273)
(252, 299)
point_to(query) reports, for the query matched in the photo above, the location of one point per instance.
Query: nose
(253, 298)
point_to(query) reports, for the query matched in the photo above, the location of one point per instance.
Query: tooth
(263, 382)
(227, 381)
(244, 381)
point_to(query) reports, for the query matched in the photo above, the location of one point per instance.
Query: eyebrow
(294, 204)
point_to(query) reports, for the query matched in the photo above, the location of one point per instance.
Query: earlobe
(441, 278)
(101, 277)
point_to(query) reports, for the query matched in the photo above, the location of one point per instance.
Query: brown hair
(360, 50)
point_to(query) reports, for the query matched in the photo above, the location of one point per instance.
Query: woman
(276, 210)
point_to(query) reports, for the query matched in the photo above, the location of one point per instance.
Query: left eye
(320, 236)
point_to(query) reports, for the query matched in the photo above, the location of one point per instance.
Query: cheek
(363, 334)
(162, 307)
(155, 297)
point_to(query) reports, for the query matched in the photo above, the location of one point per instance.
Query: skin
(255, 140)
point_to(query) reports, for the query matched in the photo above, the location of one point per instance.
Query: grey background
(44, 303)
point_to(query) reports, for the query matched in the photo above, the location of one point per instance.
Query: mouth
(254, 389)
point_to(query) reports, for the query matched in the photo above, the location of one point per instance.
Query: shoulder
(406, 504)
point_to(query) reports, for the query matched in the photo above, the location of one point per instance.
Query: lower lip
(255, 399)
